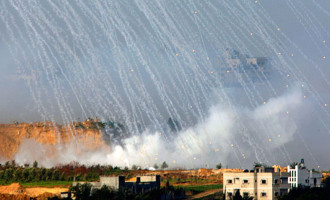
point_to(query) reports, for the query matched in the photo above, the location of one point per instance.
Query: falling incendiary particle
(305, 97)
(302, 85)
(278, 29)
(291, 55)
(286, 85)
(176, 54)
(232, 145)
(190, 106)
(186, 80)
(132, 70)
(279, 53)
(287, 112)
(193, 50)
(212, 72)
(278, 135)
(324, 41)
(195, 158)
(251, 34)
(255, 1)
(264, 102)
(156, 158)
(196, 12)
(174, 161)
(325, 104)
(269, 140)
(323, 57)
(217, 149)
(228, 71)
(288, 75)
(207, 58)
(182, 146)
(210, 142)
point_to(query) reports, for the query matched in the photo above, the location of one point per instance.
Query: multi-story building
(262, 183)
(267, 183)
(300, 176)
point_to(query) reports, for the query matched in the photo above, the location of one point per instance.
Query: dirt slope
(12, 136)
(16, 191)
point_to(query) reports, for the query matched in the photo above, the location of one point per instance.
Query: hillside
(84, 135)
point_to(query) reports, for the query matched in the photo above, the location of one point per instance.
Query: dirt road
(206, 193)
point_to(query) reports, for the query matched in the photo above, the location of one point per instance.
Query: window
(245, 181)
(263, 181)
(276, 194)
(229, 194)
(245, 194)
(229, 181)
(263, 194)
(276, 181)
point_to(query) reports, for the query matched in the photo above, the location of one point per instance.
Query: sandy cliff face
(76, 135)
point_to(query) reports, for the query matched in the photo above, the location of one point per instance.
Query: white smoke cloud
(233, 134)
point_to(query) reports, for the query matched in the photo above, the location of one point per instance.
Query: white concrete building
(300, 176)
(262, 183)
(265, 183)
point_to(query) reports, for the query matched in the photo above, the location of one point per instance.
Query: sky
(65, 62)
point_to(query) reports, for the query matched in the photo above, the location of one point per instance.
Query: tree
(13, 164)
(35, 164)
(18, 175)
(26, 174)
(156, 166)
(7, 165)
(134, 167)
(82, 191)
(219, 166)
(33, 174)
(326, 183)
(55, 175)
(8, 176)
(293, 165)
(164, 165)
(257, 164)
(62, 177)
(237, 196)
(1, 174)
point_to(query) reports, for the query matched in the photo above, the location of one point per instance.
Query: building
(137, 185)
(267, 183)
(261, 183)
(300, 176)
(239, 68)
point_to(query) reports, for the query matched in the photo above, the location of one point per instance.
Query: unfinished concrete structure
(136, 185)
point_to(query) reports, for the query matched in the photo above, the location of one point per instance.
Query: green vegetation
(47, 184)
(306, 193)
(82, 192)
(164, 165)
(219, 166)
(60, 175)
